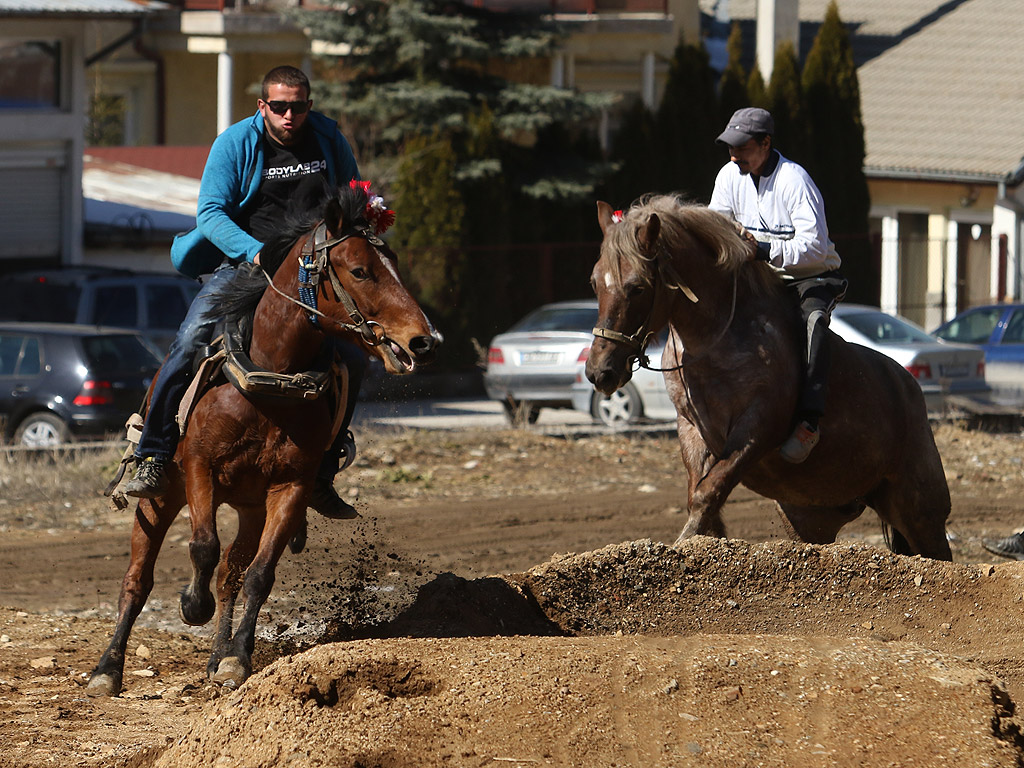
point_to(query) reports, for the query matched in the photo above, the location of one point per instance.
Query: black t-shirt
(293, 183)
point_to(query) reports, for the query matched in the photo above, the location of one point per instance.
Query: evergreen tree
(687, 124)
(785, 102)
(637, 156)
(835, 157)
(756, 91)
(409, 67)
(732, 93)
(428, 227)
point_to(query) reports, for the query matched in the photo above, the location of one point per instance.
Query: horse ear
(604, 215)
(649, 232)
(333, 217)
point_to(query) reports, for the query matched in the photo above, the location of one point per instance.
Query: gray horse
(734, 376)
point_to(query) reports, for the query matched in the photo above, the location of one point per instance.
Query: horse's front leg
(285, 511)
(711, 480)
(197, 605)
(237, 558)
(152, 519)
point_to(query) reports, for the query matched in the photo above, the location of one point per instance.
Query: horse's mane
(681, 223)
(346, 204)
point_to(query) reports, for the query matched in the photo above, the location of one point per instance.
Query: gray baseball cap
(745, 124)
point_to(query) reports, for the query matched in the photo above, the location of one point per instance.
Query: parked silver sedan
(534, 363)
(941, 368)
(538, 363)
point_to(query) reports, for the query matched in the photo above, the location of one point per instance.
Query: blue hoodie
(231, 179)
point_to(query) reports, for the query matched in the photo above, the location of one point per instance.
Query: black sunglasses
(280, 107)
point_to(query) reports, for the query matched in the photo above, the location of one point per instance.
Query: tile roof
(941, 81)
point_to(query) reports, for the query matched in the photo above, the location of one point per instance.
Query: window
(30, 365)
(972, 327)
(10, 352)
(1014, 333)
(116, 305)
(30, 74)
(165, 306)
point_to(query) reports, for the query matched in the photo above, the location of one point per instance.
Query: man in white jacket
(780, 208)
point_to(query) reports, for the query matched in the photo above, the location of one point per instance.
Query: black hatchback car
(59, 381)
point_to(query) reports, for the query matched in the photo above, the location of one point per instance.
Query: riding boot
(325, 498)
(1011, 546)
(328, 503)
(150, 480)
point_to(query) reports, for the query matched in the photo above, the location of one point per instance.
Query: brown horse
(733, 361)
(258, 453)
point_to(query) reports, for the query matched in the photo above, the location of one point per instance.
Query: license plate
(539, 357)
(953, 371)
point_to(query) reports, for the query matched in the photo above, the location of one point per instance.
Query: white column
(890, 288)
(777, 21)
(949, 308)
(558, 70)
(225, 80)
(648, 87)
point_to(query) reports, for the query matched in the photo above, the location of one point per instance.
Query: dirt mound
(718, 653)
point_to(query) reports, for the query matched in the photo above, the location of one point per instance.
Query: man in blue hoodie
(276, 162)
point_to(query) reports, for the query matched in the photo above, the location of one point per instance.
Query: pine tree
(410, 67)
(687, 124)
(785, 102)
(756, 91)
(427, 234)
(835, 157)
(732, 93)
(637, 156)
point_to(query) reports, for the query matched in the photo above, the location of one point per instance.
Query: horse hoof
(196, 612)
(298, 541)
(103, 685)
(231, 673)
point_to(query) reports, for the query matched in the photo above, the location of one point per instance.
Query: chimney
(777, 21)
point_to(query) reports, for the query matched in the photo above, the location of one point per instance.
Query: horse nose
(423, 347)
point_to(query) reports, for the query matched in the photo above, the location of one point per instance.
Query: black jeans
(817, 297)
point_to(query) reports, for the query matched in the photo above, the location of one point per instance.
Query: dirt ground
(506, 599)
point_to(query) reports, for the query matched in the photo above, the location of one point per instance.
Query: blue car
(999, 330)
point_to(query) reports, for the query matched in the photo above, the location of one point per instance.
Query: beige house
(942, 96)
(44, 50)
(200, 61)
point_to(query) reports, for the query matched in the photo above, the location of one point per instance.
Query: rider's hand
(756, 249)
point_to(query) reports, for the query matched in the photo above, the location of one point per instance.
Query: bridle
(638, 341)
(314, 263)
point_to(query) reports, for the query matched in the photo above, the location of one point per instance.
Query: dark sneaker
(328, 503)
(799, 445)
(150, 480)
(1011, 546)
(348, 450)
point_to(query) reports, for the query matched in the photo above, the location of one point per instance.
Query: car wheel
(42, 430)
(618, 409)
(520, 412)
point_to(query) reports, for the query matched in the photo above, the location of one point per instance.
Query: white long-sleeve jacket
(785, 211)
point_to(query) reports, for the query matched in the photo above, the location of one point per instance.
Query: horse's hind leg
(817, 525)
(237, 558)
(152, 519)
(917, 509)
(286, 512)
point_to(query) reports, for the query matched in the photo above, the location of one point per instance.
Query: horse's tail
(895, 541)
